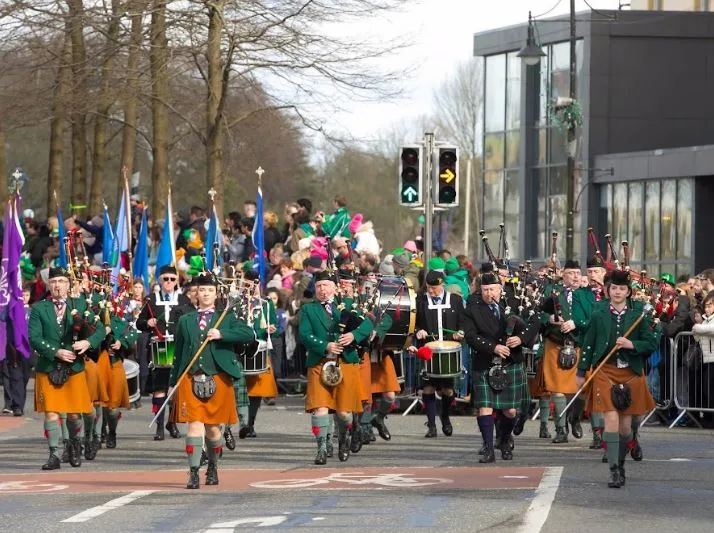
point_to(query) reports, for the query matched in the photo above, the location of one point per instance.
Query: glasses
(169, 279)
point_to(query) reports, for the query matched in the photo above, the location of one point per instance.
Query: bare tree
(159, 106)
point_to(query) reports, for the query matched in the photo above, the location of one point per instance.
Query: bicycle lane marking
(476, 478)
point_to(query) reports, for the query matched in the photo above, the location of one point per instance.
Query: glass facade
(655, 217)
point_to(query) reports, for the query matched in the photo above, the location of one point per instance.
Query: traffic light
(410, 176)
(447, 166)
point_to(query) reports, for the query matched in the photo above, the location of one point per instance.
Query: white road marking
(513, 477)
(29, 486)
(259, 521)
(94, 512)
(539, 509)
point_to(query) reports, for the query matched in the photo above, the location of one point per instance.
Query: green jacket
(336, 224)
(218, 355)
(123, 332)
(46, 336)
(583, 304)
(597, 340)
(317, 329)
(460, 278)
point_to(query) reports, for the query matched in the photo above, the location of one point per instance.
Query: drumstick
(605, 360)
(190, 364)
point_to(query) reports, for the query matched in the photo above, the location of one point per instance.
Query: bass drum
(397, 299)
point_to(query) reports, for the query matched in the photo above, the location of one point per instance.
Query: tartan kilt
(240, 390)
(509, 398)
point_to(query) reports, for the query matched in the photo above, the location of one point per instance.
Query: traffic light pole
(428, 198)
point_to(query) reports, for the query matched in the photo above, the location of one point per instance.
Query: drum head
(443, 346)
(131, 368)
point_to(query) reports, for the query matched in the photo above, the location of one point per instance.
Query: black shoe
(520, 423)
(621, 472)
(251, 433)
(104, 432)
(560, 436)
(372, 437)
(17, 412)
(53, 463)
(321, 457)
(489, 456)
(173, 430)
(614, 482)
(506, 453)
(96, 446)
(75, 453)
(204, 458)
(230, 441)
(636, 452)
(89, 451)
(544, 433)
(446, 427)
(111, 440)
(329, 448)
(159, 434)
(381, 428)
(596, 444)
(576, 429)
(343, 449)
(193, 481)
(366, 434)
(356, 440)
(65, 452)
(212, 474)
(483, 449)
(431, 433)
(243, 432)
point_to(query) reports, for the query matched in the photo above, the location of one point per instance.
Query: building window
(495, 97)
(655, 217)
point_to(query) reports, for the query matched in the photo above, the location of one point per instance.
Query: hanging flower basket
(566, 117)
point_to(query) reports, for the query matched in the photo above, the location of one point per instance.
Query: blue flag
(121, 242)
(141, 253)
(107, 238)
(167, 250)
(62, 234)
(259, 238)
(214, 241)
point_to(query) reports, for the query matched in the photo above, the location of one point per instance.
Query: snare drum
(162, 351)
(131, 369)
(445, 361)
(255, 358)
(398, 359)
(398, 299)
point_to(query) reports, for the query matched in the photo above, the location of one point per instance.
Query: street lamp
(531, 52)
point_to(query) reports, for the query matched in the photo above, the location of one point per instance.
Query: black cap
(572, 264)
(324, 275)
(434, 278)
(620, 277)
(204, 279)
(58, 272)
(486, 267)
(168, 269)
(312, 261)
(489, 278)
(596, 261)
(251, 275)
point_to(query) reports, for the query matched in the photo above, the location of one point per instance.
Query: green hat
(399, 251)
(451, 265)
(668, 278)
(436, 263)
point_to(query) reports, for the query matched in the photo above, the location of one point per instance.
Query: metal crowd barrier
(692, 376)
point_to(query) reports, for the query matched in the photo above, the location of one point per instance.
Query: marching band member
(384, 385)
(434, 301)
(204, 398)
(496, 349)
(321, 332)
(157, 320)
(619, 390)
(60, 383)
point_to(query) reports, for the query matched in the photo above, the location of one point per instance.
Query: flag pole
(127, 212)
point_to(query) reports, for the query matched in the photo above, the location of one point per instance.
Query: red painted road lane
(8, 423)
(469, 478)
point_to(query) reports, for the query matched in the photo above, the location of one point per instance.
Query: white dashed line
(94, 512)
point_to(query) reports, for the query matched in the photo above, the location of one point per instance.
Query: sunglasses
(169, 279)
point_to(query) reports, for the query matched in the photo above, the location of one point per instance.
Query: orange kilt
(95, 384)
(114, 377)
(384, 376)
(601, 400)
(344, 397)
(365, 378)
(71, 397)
(218, 409)
(555, 379)
(262, 385)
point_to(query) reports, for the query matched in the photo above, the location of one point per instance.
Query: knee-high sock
(319, 429)
(365, 417)
(243, 416)
(544, 405)
(342, 425)
(625, 441)
(612, 441)
(53, 433)
(485, 426)
(384, 406)
(506, 424)
(446, 406)
(560, 403)
(213, 449)
(194, 446)
(254, 405)
(63, 426)
(74, 426)
(89, 421)
(430, 408)
(98, 420)
(330, 426)
(597, 422)
(114, 416)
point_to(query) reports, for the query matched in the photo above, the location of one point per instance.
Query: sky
(444, 37)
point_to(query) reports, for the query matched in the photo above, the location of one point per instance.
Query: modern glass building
(644, 82)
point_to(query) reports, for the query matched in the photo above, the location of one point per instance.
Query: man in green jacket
(59, 331)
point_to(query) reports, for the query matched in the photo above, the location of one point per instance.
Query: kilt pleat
(508, 398)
